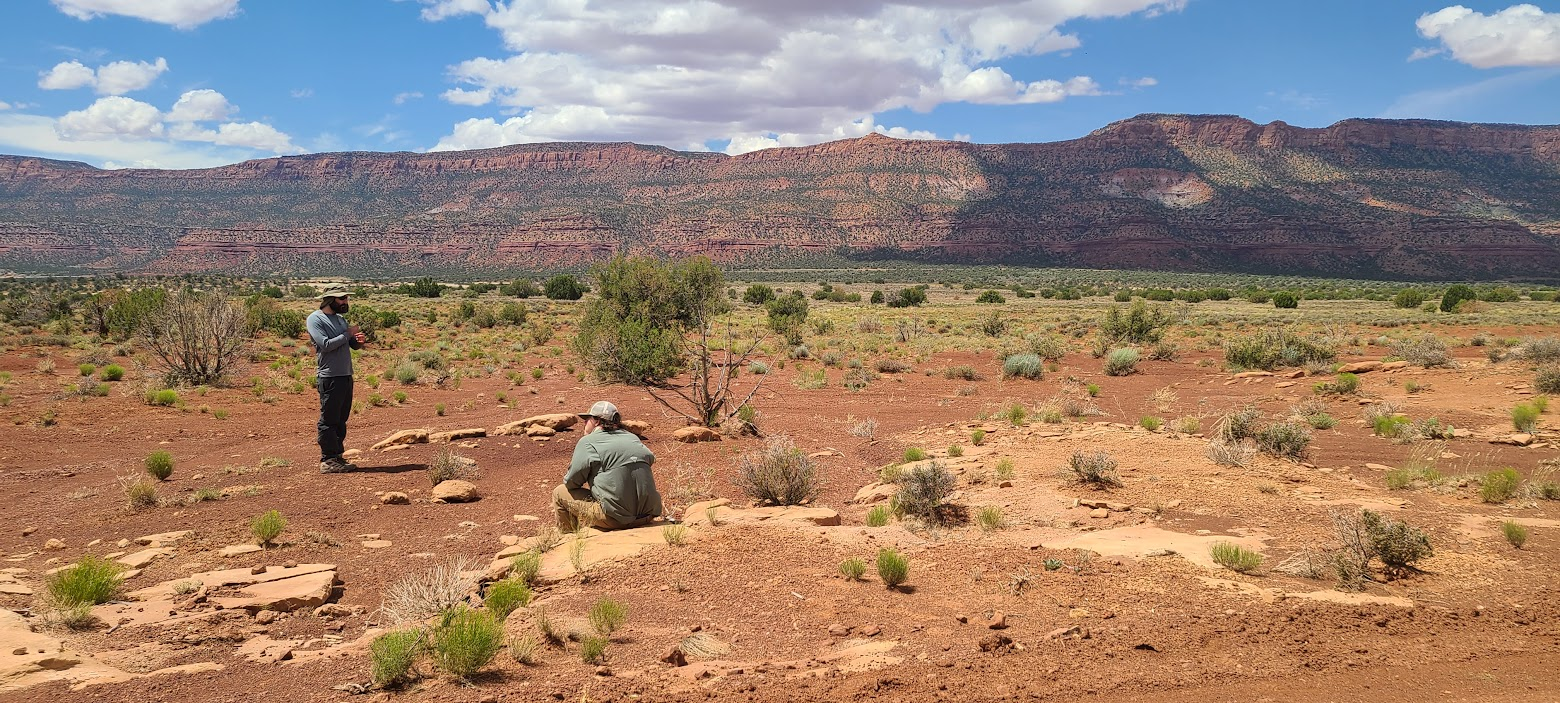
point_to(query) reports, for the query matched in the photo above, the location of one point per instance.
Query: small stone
(997, 621)
(456, 491)
(376, 543)
(1099, 513)
(27, 532)
(395, 498)
(257, 570)
(54, 543)
(509, 540)
(871, 631)
(838, 630)
(675, 657)
(603, 671)
(234, 550)
(265, 617)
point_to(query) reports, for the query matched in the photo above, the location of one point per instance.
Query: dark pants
(335, 406)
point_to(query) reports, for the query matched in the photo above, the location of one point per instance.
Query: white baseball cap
(602, 410)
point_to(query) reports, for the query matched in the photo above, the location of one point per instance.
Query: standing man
(334, 341)
(616, 465)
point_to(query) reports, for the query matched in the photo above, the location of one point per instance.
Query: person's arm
(318, 329)
(352, 337)
(579, 466)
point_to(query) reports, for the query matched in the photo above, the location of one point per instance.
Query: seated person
(616, 466)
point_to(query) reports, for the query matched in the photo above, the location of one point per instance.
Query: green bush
(1150, 423)
(1515, 533)
(465, 641)
(1345, 384)
(852, 569)
(877, 516)
(606, 616)
(1524, 417)
(503, 597)
(892, 567)
(758, 294)
(1121, 362)
(87, 369)
(913, 454)
(1548, 380)
(526, 566)
(778, 474)
(1140, 324)
(1027, 366)
(1500, 485)
(1456, 294)
(1274, 348)
(1097, 468)
(1408, 299)
(593, 650)
(1285, 299)
(1048, 347)
(1390, 426)
(924, 490)
(113, 372)
(1397, 544)
(1235, 557)
(990, 297)
(394, 654)
(91, 581)
(165, 397)
(268, 526)
(564, 287)
(1284, 439)
(160, 465)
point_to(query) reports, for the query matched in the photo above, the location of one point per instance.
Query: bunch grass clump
(1514, 532)
(1235, 557)
(504, 597)
(159, 465)
(892, 567)
(1026, 366)
(394, 656)
(1500, 485)
(1096, 468)
(465, 641)
(852, 569)
(91, 581)
(877, 516)
(526, 566)
(606, 616)
(268, 526)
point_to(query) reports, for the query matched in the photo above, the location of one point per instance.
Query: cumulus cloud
(111, 118)
(1144, 82)
(115, 78)
(36, 134)
(252, 135)
(1520, 35)
(200, 106)
(402, 98)
(4, 105)
(184, 14)
(751, 72)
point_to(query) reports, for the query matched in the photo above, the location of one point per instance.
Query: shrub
(1345, 384)
(891, 366)
(564, 287)
(1540, 350)
(1096, 468)
(1285, 299)
(525, 566)
(675, 535)
(394, 654)
(1140, 324)
(1165, 351)
(1150, 423)
(977, 437)
(1499, 486)
(1390, 426)
(1524, 417)
(779, 474)
(1456, 294)
(913, 454)
(1395, 543)
(1121, 362)
(448, 465)
(1048, 347)
(1027, 366)
(1240, 424)
(1408, 299)
(87, 369)
(113, 372)
(1274, 348)
(1428, 351)
(758, 294)
(268, 526)
(1514, 532)
(593, 650)
(991, 297)
(877, 516)
(1548, 380)
(892, 567)
(852, 569)
(91, 581)
(606, 616)
(924, 490)
(139, 493)
(159, 465)
(522, 648)
(465, 641)
(1284, 439)
(195, 337)
(503, 597)
(1235, 557)
(165, 397)
(961, 373)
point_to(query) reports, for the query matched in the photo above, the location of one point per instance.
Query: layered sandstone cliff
(1368, 198)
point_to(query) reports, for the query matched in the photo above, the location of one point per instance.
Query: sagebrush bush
(778, 474)
(1515, 533)
(1540, 350)
(159, 465)
(1240, 424)
(606, 616)
(1140, 324)
(465, 641)
(1548, 380)
(1524, 417)
(503, 597)
(393, 656)
(1274, 348)
(1027, 366)
(1235, 557)
(1121, 362)
(1284, 439)
(852, 569)
(924, 490)
(91, 580)
(1047, 346)
(1428, 351)
(268, 526)
(892, 567)
(1097, 468)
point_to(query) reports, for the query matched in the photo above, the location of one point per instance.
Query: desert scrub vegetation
(924, 490)
(1516, 535)
(853, 569)
(1344, 384)
(990, 518)
(92, 581)
(1235, 557)
(393, 656)
(606, 616)
(1121, 362)
(1275, 348)
(878, 516)
(1285, 439)
(1524, 417)
(1547, 380)
(429, 592)
(159, 465)
(778, 474)
(505, 596)
(1428, 351)
(465, 640)
(1230, 453)
(1026, 366)
(1139, 324)
(1365, 536)
(267, 526)
(892, 567)
(1500, 485)
(1097, 469)
(447, 465)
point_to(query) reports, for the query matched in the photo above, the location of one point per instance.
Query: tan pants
(577, 507)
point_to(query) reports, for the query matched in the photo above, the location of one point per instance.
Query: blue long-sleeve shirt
(332, 345)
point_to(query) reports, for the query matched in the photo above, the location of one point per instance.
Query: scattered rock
(1099, 513)
(1070, 632)
(54, 543)
(27, 531)
(163, 539)
(402, 438)
(1520, 439)
(555, 421)
(997, 621)
(376, 543)
(640, 428)
(996, 643)
(692, 435)
(140, 559)
(456, 491)
(1297, 373)
(234, 550)
(266, 617)
(540, 431)
(838, 630)
(1254, 374)
(1360, 367)
(875, 493)
(871, 631)
(1378, 467)
(1394, 365)
(603, 670)
(675, 657)
(333, 610)
(451, 435)
(395, 498)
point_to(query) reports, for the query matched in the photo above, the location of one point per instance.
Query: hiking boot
(335, 465)
(350, 466)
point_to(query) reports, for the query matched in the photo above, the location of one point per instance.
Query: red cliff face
(1367, 198)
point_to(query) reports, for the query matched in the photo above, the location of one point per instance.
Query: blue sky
(190, 83)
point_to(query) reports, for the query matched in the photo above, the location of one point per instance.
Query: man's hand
(357, 334)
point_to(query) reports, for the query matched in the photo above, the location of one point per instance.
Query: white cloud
(67, 75)
(203, 105)
(115, 78)
(184, 14)
(36, 134)
(684, 72)
(4, 105)
(1461, 102)
(113, 117)
(1520, 35)
(401, 98)
(1144, 82)
(1421, 54)
(458, 96)
(301, 93)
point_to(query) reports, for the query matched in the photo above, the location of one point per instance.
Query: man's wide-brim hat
(602, 410)
(335, 293)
